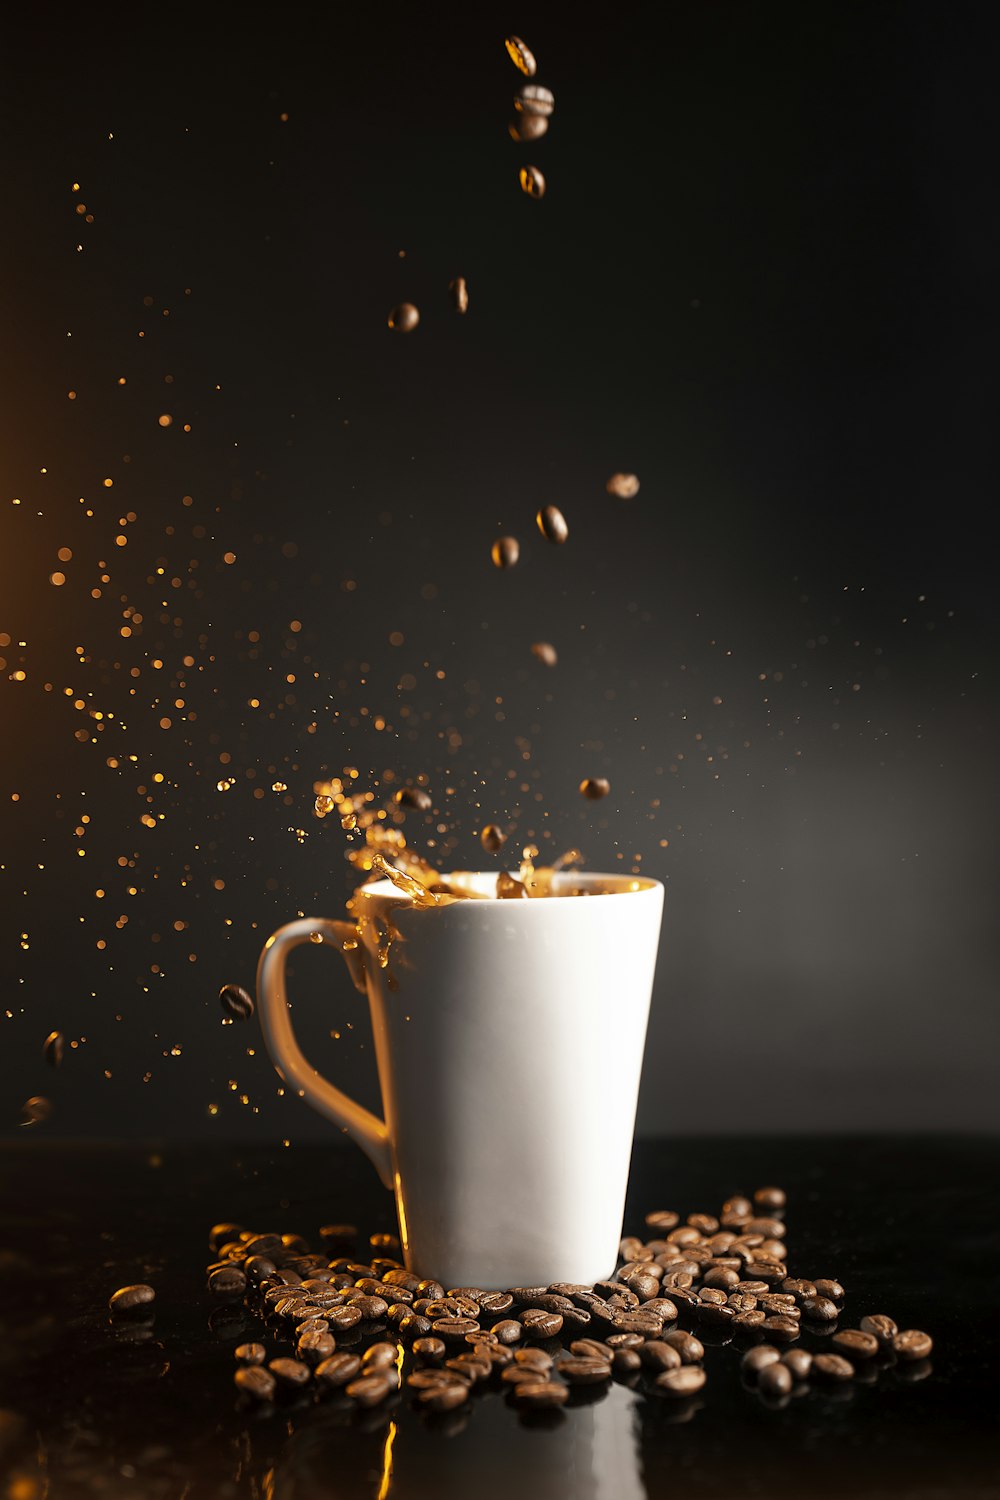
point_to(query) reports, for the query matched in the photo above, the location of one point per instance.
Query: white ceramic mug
(509, 1037)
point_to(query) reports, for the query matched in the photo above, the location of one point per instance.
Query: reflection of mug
(509, 1037)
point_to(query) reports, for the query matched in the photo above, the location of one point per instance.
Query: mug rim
(630, 885)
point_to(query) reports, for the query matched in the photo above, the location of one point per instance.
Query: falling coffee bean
(404, 318)
(36, 1110)
(236, 1002)
(532, 182)
(459, 294)
(505, 551)
(534, 99)
(415, 797)
(624, 487)
(128, 1299)
(552, 524)
(912, 1344)
(54, 1047)
(492, 838)
(528, 128)
(769, 1199)
(594, 788)
(545, 653)
(521, 56)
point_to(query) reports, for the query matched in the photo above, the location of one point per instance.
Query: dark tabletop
(90, 1405)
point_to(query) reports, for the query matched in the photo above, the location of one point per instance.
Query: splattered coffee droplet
(521, 56)
(459, 294)
(534, 99)
(528, 128)
(492, 838)
(55, 1046)
(36, 1110)
(594, 788)
(236, 1002)
(545, 652)
(552, 524)
(404, 318)
(532, 182)
(416, 797)
(505, 551)
(623, 486)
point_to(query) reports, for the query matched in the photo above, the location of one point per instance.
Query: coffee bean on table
(223, 1234)
(912, 1344)
(820, 1309)
(775, 1380)
(496, 1303)
(752, 1318)
(338, 1369)
(541, 1393)
(370, 1390)
(582, 1369)
(855, 1344)
(342, 1318)
(379, 1356)
(413, 1325)
(404, 318)
(315, 1346)
(227, 1281)
(129, 1299)
(690, 1349)
(798, 1287)
(236, 1002)
(594, 788)
(453, 1330)
(469, 1367)
(799, 1361)
(662, 1220)
(658, 1355)
(882, 1327)
(625, 1361)
(505, 551)
(290, 1371)
(508, 1331)
(832, 1367)
(626, 487)
(590, 1349)
(532, 182)
(521, 56)
(445, 1396)
(682, 1382)
(533, 1359)
(528, 127)
(255, 1381)
(757, 1358)
(781, 1328)
(538, 1324)
(370, 1307)
(831, 1289)
(250, 1354)
(625, 1340)
(552, 524)
(534, 99)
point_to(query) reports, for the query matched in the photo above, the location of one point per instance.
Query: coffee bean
(469, 1367)
(712, 1296)
(445, 1396)
(496, 1303)
(227, 1281)
(54, 1048)
(528, 127)
(509, 1331)
(627, 1340)
(545, 653)
(779, 1302)
(799, 1361)
(626, 487)
(831, 1289)
(819, 1309)
(582, 1369)
(263, 1244)
(704, 1223)
(663, 1307)
(798, 1287)
(380, 1356)
(552, 524)
(532, 182)
(782, 1328)
(753, 1318)
(128, 1299)
(36, 1110)
(625, 1361)
(533, 1359)
(659, 1355)
(371, 1307)
(255, 1381)
(371, 1390)
(769, 1199)
(223, 1234)
(314, 1324)
(683, 1382)
(338, 1234)
(459, 294)
(912, 1344)
(342, 1318)
(250, 1354)
(883, 1328)
(856, 1344)
(339, 1369)
(539, 1324)
(771, 1229)
(521, 56)
(534, 99)
(258, 1268)
(684, 1234)
(413, 1326)
(690, 1349)
(429, 1288)
(505, 551)
(236, 1002)
(290, 1371)
(662, 1220)
(832, 1367)
(742, 1302)
(643, 1285)
(775, 1380)
(721, 1277)
(755, 1288)
(594, 788)
(404, 318)
(315, 1346)
(590, 1349)
(454, 1329)
(641, 1321)
(492, 838)
(758, 1357)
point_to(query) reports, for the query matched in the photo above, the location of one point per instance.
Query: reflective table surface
(91, 1405)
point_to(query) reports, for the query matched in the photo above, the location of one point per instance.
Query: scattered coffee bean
(912, 1344)
(590, 1349)
(625, 1361)
(505, 551)
(496, 1303)
(799, 1361)
(534, 99)
(342, 1318)
(227, 1281)
(626, 487)
(380, 1356)
(758, 1357)
(552, 524)
(594, 788)
(404, 318)
(128, 1299)
(492, 838)
(338, 1369)
(683, 1382)
(539, 1324)
(541, 1393)
(690, 1349)
(662, 1220)
(453, 1329)
(413, 1326)
(371, 1390)
(54, 1048)
(521, 56)
(459, 294)
(832, 1367)
(290, 1371)
(797, 1287)
(659, 1355)
(775, 1380)
(250, 1354)
(445, 1396)
(769, 1199)
(255, 1381)
(781, 1328)
(883, 1328)
(582, 1369)
(528, 128)
(315, 1346)
(820, 1309)
(753, 1318)
(508, 1331)
(855, 1344)
(532, 182)
(831, 1289)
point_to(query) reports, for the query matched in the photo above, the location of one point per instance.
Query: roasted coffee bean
(549, 1302)
(400, 1278)
(545, 652)
(236, 1002)
(771, 1271)
(258, 1267)
(716, 1315)
(684, 1234)
(539, 1324)
(742, 1302)
(492, 838)
(413, 1326)
(799, 1361)
(769, 1199)
(429, 1288)
(754, 1318)
(683, 1382)
(470, 1366)
(404, 318)
(129, 1299)
(625, 1361)
(798, 1287)
(517, 1374)
(663, 1307)
(673, 1279)
(721, 1277)
(314, 1324)
(495, 1304)
(552, 524)
(712, 1296)
(424, 1379)
(775, 1380)
(662, 1220)
(481, 1340)
(315, 1346)
(532, 182)
(781, 1328)
(720, 1242)
(339, 1369)
(626, 487)
(756, 1358)
(831, 1289)
(528, 127)
(658, 1355)
(263, 1244)
(534, 1359)
(779, 1302)
(371, 1390)
(755, 1288)
(882, 1327)
(541, 1393)
(627, 1340)
(379, 1356)
(370, 1308)
(505, 551)
(445, 1396)
(534, 99)
(684, 1295)
(819, 1309)
(223, 1234)
(704, 1223)
(832, 1367)
(54, 1048)
(508, 1331)
(855, 1344)
(295, 1244)
(594, 787)
(429, 1347)
(775, 1249)
(770, 1229)
(912, 1344)
(521, 56)
(590, 1349)
(640, 1321)
(582, 1369)
(255, 1381)
(250, 1354)
(690, 1349)
(338, 1234)
(342, 1318)
(290, 1371)
(643, 1285)
(454, 1329)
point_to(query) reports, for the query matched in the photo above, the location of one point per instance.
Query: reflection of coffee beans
(552, 524)
(521, 56)
(528, 127)
(404, 318)
(534, 99)
(532, 182)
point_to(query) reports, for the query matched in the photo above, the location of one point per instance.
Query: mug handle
(361, 1125)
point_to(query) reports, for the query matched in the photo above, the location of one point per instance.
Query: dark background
(763, 279)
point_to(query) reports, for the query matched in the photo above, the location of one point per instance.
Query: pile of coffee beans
(368, 1328)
